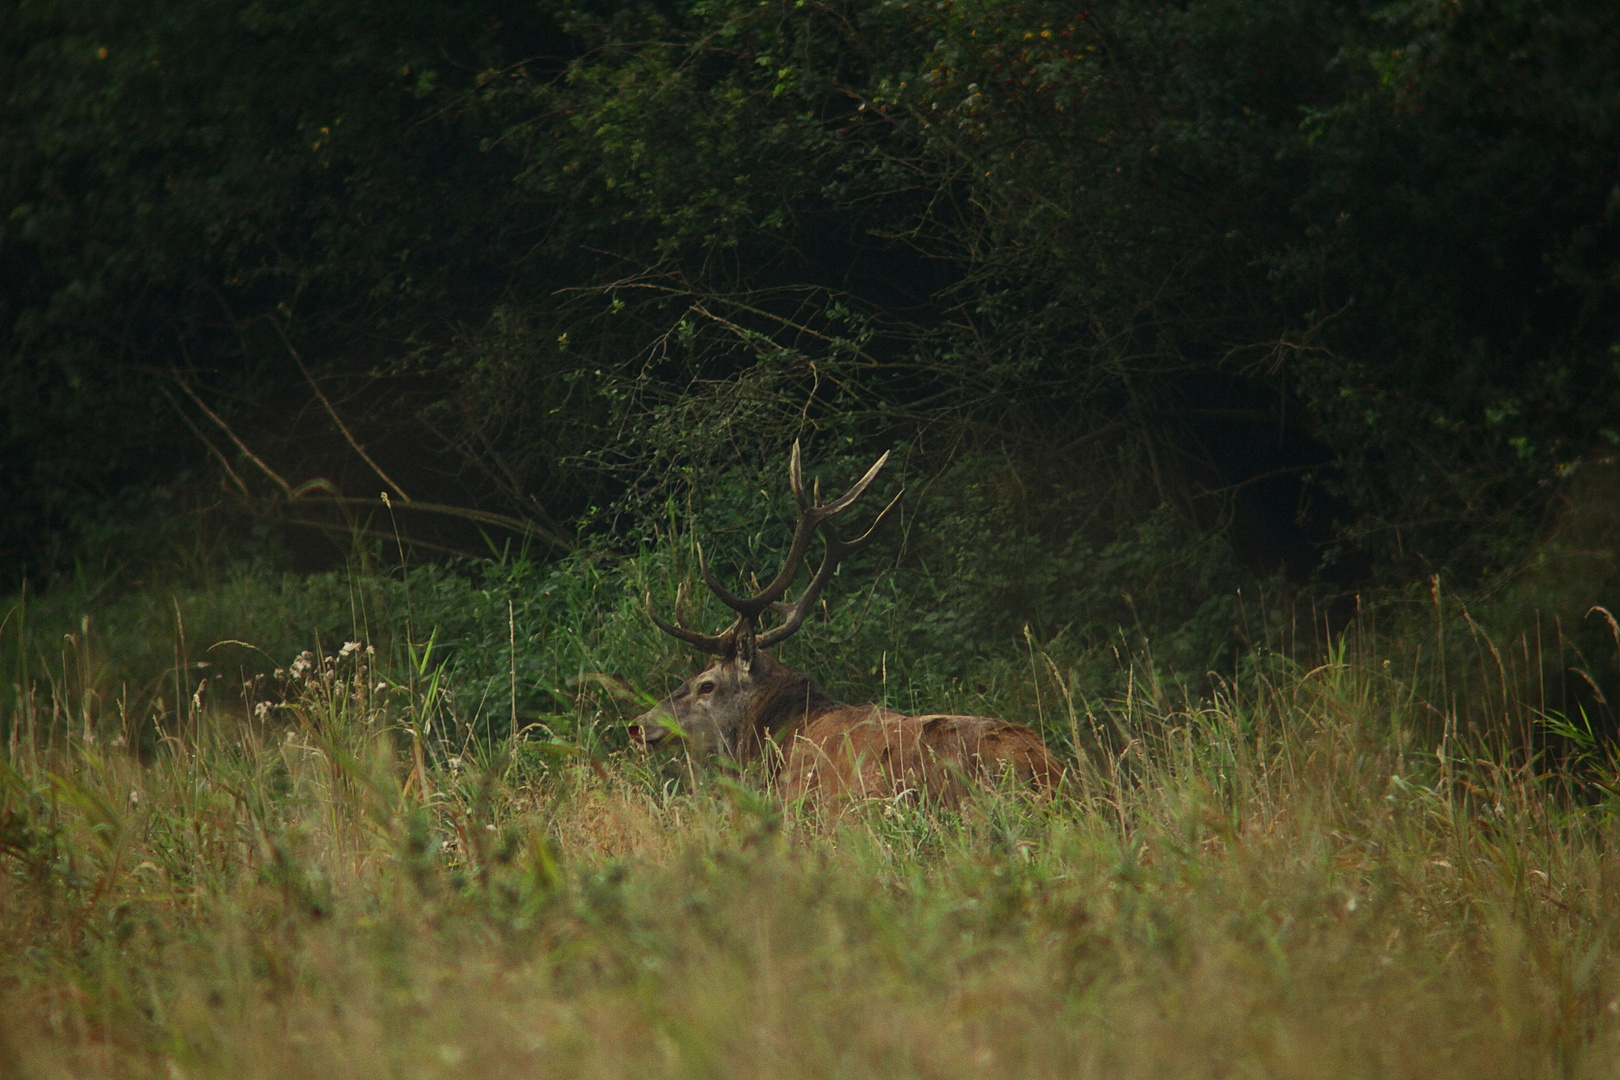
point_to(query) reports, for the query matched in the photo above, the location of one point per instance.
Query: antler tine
(795, 613)
(709, 643)
(850, 546)
(750, 608)
(725, 595)
(843, 502)
(796, 477)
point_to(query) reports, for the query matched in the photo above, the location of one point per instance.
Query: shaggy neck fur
(785, 703)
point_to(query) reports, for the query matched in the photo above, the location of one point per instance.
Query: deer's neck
(785, 706)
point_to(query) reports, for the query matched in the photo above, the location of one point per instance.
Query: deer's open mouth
(649, 730)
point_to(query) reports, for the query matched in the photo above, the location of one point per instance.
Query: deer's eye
(705, 687)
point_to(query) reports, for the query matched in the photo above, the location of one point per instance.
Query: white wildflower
(348, 647)
(302, 663)
(261, 709)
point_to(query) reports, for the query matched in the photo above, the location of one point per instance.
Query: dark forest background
(1159, 301)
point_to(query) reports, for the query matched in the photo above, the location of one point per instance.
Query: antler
(813, 516)
(793, 615)
(709, 643)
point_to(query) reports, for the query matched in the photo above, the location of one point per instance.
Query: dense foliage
(1161, 296)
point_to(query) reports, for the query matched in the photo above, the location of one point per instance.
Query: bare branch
(330, 411)
(226, 428)
(195, 430)
(481, 517)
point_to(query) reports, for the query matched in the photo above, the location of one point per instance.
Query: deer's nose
(648, 729)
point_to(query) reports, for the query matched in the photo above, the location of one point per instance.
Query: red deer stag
(747, 704)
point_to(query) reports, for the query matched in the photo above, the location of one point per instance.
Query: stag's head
(719, 710)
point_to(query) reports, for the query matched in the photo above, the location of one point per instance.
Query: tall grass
(1360, 860)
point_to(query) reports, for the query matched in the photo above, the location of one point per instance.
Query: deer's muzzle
(650, 728)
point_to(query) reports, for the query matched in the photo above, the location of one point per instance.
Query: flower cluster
(339, 680)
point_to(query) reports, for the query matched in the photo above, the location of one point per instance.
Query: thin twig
(286, 488)
(197, 431)
(482, 517)
(330, 411)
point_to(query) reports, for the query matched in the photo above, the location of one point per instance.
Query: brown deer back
(866, 751)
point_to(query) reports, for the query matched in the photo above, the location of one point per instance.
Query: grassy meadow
(318, 827)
